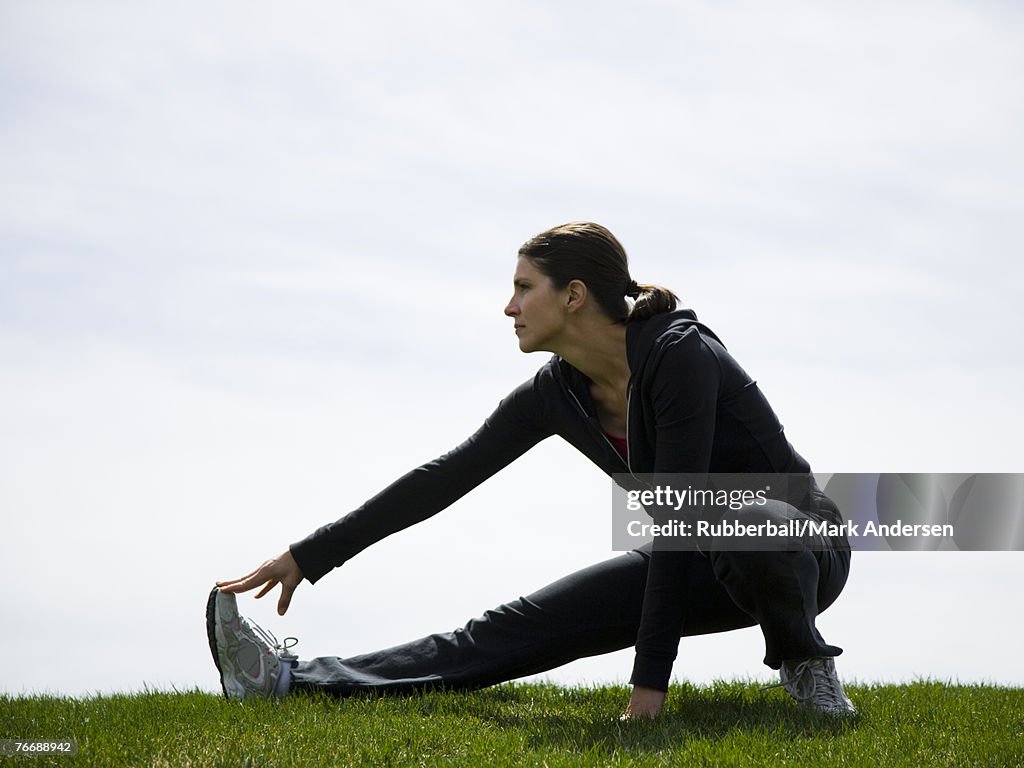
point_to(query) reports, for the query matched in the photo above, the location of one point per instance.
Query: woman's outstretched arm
(514, 427)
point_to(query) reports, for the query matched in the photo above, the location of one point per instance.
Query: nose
(511, 309)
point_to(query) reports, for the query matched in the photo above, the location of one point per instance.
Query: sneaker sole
(211, 634)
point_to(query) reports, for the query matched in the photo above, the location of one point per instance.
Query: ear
(576, 294)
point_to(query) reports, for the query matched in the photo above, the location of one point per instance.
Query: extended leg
(592, 611)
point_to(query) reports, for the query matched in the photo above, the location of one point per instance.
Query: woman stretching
(639, 387)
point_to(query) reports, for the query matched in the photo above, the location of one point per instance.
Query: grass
(726, 724)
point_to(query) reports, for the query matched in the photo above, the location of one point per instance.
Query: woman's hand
(645, 702)
(281, 570)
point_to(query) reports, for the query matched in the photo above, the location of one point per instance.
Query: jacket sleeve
(684, 395)
(516, 425)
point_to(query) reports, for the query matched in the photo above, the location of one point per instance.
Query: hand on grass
(281, 570)
(645, 702)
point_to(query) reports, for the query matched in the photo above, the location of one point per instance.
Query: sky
(253, 261)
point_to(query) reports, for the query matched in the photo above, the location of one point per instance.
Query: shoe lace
(812, 682)
(282, 649)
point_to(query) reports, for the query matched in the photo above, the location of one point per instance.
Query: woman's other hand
(281, 570)
(645, 702)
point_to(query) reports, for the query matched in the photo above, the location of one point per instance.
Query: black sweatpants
(597, 610)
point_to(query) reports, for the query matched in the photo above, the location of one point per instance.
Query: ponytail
(652, 300)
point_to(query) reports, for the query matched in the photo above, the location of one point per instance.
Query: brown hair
(582, 250)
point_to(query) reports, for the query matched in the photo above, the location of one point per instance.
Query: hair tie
(632, 290)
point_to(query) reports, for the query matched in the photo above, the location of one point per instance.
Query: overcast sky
(253, 260)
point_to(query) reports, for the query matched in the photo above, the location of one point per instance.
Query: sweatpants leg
(784, 591)
(593, 611)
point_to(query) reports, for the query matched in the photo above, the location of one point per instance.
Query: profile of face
(538, 309)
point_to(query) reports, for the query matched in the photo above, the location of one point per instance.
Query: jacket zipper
(583, 412)
(629, 396)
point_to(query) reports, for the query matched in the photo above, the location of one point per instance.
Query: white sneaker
(814, 682)
(248, 658)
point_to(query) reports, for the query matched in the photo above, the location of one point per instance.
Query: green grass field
(924, 724)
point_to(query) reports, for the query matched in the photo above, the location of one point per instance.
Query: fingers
(249, 581)
(285, 600)
(231, 585)
(266, 588)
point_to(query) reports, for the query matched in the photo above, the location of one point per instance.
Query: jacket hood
(640, 335)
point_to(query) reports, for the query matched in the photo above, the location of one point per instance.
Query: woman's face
(537, 308)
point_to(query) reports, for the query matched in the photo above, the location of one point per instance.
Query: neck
(598, 351)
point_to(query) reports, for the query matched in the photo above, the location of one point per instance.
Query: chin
(533, 343)
(525, 346)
